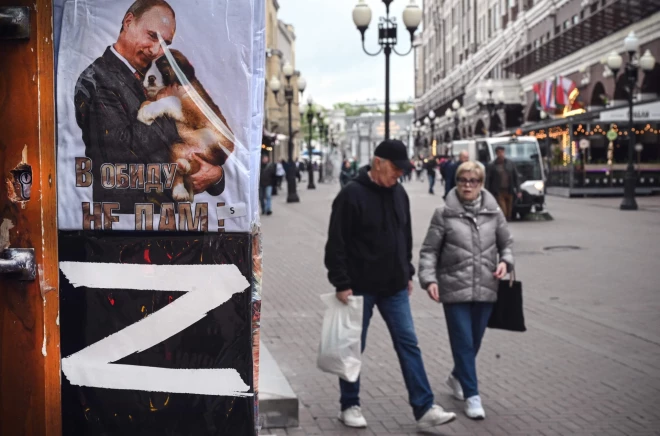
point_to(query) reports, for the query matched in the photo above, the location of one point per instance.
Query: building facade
(547, 63)
(280, 48)
(364, 132)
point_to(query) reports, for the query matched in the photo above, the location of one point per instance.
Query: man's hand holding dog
(207, 176)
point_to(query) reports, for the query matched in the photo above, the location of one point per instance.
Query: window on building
(567, 24)
(490, 22)
(576, 19)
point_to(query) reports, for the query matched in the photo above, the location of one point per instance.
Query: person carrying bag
(467, 250)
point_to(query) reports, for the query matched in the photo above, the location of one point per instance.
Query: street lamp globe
(310, 100)
(436, 122)
(302, 110)
(431, 114)
(647, 62)
(614, 61)
(479, 97)
(631, 43)
(362, 15)
(449, 113)
(427, 121)
(275, 84)
(412, 16)
(418, 124)
(287, 69)
(462, 112)
(500, 97)
(455, 104)
(302, 84)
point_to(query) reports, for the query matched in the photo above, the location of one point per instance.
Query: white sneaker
(455, 386)
(474, 409)
(435, 416)
(352, 417)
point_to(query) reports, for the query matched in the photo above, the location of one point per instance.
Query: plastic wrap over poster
(156, 334)
(159, 108)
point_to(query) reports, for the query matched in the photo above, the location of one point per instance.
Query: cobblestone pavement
(589, 363)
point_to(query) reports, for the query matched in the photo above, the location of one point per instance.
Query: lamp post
(490, 104)
(310, 122)
(387, 38)
(322, 126)
(459, 113)
(631, 70)
(289, 94)
(417, 128)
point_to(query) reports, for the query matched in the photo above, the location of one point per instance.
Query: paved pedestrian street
(589, 363)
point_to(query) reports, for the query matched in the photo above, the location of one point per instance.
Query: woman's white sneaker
(474, 409)
(352, 417)
(455, 386)
(436, 415)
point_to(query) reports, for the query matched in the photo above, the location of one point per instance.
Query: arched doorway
(620, 91)
(533, 113)
(480, 128)
(496, 124)
(598, 95)
(457, 133)
(447, 138)
(651, 82)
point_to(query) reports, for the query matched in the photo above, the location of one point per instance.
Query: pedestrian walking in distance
(466, 251)
(449, 171)
(369, 253)
(266, 183)
(502, 182)
(431, 166)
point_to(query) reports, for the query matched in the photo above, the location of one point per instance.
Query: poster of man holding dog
(163, 133)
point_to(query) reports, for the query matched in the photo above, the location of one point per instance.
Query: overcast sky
(329, 53)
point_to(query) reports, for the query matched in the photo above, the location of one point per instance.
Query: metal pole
(388, 51)
(629, 180)
(310, 118)
(292, 195)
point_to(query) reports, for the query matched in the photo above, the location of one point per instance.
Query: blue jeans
(266, 198)
(395, 310)
(431, 182)
(466, 325)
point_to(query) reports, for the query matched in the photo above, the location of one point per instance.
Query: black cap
(394, 151)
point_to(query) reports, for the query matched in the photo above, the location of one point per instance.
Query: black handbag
(508, 309)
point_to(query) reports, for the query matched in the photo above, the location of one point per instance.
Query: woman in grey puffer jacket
(466, 251)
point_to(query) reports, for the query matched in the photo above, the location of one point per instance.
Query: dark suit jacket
(107, 99)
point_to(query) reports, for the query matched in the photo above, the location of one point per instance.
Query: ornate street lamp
(387, 38)
(490, 104)
(311, 121)
(289, 94)
(322, 126)
(459, 113)
(631, 70)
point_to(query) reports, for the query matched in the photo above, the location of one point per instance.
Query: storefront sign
(641, 113)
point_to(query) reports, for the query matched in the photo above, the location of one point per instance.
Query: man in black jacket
(107, 98)
(369, 253)
(502, 182)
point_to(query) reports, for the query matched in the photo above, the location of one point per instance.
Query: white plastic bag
(340, 347)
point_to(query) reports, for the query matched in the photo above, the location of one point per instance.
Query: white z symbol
(208, 287)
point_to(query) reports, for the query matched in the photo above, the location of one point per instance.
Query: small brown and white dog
(200, 135)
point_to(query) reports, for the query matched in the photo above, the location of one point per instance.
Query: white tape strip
(208, 287)
(225, 382)
(234, 211)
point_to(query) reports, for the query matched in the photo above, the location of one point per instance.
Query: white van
(525, 153)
